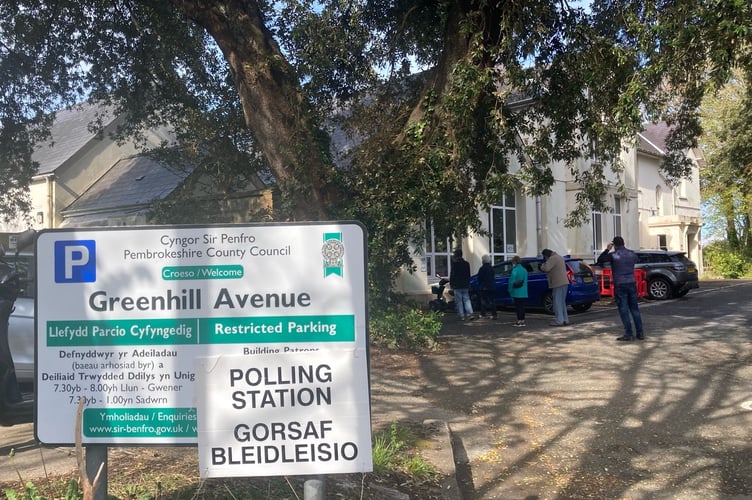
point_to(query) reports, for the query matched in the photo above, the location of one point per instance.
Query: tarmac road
(568, 412)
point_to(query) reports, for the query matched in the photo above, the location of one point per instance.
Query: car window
(680, 257)
(25, 266)
(579, 267)
(651, 258)
(503, 269)
(533, 266)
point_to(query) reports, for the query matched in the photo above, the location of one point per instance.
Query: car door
(501, 294)
(537, 282)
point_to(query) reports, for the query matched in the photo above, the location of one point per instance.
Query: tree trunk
(275, 109)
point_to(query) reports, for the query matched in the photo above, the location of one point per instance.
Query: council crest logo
(333, 250)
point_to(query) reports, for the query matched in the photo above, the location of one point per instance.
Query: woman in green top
(519, 292)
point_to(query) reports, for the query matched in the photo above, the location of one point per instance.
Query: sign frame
(301, 256)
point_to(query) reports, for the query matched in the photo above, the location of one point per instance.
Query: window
(617, 217)
(502, 226)
(597, 230)
(662, 242)
(438, 253)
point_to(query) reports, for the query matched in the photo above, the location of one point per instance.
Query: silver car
(21, 324)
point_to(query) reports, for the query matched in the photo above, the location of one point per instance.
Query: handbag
(518, 284)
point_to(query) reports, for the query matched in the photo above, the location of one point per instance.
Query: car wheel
(681, 293)
(659, 289)
(582, 307)
(548, 302)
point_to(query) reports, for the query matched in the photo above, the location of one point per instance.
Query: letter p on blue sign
(75, 261)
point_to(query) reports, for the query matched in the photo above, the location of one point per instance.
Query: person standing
(556, 270)
(487, 287)
(622, 262)
(459, 280)
(518, 289)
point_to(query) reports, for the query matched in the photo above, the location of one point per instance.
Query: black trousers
(519, 308)
(487, 304)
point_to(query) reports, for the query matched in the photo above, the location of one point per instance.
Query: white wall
(640, 176)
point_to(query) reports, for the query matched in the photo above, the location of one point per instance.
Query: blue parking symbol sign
(75, 261)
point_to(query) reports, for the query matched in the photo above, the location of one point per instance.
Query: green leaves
(727, 175)
(259, 87)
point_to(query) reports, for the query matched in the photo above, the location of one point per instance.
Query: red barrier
(641, 276)
(606, 281)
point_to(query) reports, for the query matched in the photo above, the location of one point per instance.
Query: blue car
(583, 288)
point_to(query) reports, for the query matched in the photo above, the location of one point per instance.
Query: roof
(656, 252)
(69, 133)
(652, 139)
(135, 181)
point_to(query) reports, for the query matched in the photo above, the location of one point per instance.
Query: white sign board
(122, 314)
(291, 414)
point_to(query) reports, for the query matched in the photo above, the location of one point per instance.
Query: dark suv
(669, 273)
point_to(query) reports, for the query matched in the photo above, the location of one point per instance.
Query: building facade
(649, 213)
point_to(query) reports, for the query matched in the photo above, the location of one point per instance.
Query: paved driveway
(568, 412)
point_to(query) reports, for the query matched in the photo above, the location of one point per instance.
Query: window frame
(508, 217)
(433, 252)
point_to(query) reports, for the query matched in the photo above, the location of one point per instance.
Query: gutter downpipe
(538, 202)
(50, 222)
(538, 224)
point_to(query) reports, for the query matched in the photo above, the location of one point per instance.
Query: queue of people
(459, 280)
(621, 259)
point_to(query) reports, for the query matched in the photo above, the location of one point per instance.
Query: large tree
(727, 145)
(538, 80)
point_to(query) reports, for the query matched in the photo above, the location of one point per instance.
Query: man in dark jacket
(459, 279)
(486, 287)
(622, 262)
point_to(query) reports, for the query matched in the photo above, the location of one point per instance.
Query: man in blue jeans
(459, 280)
(622, 262)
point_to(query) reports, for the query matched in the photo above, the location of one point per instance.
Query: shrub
(404, 327)
(725, 262)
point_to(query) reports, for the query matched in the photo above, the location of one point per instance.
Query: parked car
(668, 273)
(583, 289)
(21, 323)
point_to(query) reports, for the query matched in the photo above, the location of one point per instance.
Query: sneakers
(555, 323)
(518, 323)
(640, 336)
